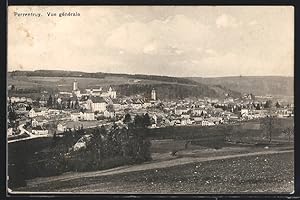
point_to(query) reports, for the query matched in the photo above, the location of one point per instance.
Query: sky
(198, 41)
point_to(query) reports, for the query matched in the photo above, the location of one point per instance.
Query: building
(88, 116)
(96, 104)
(43, 101)
(244, 112)
(39, 131)
(180, 110)
(153, 94)
(76, 116)
(38, 121)
(207, 123)
(109, 114)
(37, 112)
(61, 127)
(198, 112)
(110, 93)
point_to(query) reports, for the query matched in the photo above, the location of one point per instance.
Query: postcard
(150, 100)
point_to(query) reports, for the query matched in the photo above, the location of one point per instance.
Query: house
(185, 116)
(137, 104)
(116, 104)
(207, 123)
(32, 113)
(96, 103)
(61, 127)
(14, 99)
(38, 121)
(9, 131)
(198, 120)
(54, 111)
(39, 131)
(284, 113)
(29, 100)
(109, 114)
(180, 110)
(88, 116)
(147, 104)
(76, 116)
(43, 101)
(110, 93)
(198, 112)
(244, 112)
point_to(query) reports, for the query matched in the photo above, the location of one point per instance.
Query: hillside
(27, 82)
(258, 85)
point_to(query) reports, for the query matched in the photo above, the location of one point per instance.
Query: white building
(110, 93)
(181, 110)
(96, 104)
(108, 114)
(39, 131)
(198, 112)
(61, 127)
(207, 123)
(88, 116)
(76, 116)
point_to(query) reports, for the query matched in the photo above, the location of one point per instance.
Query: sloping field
(252, 173)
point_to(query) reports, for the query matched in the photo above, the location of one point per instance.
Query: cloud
(173, 35)
(225, 20)
(180, 41)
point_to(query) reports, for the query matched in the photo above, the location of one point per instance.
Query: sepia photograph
(150, 100)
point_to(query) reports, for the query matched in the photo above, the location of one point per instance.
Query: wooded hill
(126, 84)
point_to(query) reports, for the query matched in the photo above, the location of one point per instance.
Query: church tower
(75, 85)
(153, 95)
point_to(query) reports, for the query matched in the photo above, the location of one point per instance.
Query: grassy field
(272, 173)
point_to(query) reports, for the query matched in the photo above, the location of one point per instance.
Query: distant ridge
(258, 85)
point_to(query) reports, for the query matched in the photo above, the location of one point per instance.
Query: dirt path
(146, 166)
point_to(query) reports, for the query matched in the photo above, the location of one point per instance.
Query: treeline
(62, 73)
(57, 73)
(167, 91)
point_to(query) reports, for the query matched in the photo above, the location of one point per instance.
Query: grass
(264, 173)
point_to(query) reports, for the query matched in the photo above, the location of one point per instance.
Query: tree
(268, 104)
(49, 102)
(268, 123)
(277, 105)
(127, 118)
(138, 121)
(28, 107)
(12, 116)
(69, 103)
(54, 102)
(146, 120)
(76, 104)
(289, 132)
(110, 108)
(257, 107)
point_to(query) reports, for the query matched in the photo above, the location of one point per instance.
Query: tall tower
(75, 86)
(153, 94)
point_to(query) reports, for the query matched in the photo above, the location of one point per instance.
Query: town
(53, 114)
